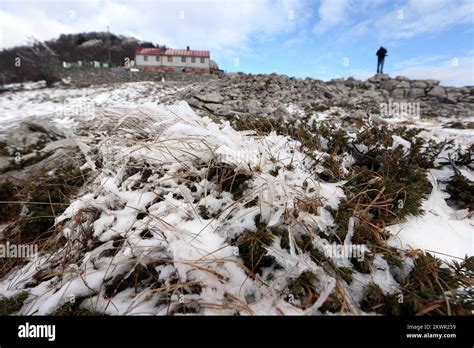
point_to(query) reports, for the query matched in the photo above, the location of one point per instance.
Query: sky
(324, 39)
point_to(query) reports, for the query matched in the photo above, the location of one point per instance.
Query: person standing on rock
(381, 54)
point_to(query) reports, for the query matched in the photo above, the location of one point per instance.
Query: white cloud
(450, 74)
(17, 30)
(294, 42)
(225, 27)
(331, 13)
(419, 61)
(419, 17)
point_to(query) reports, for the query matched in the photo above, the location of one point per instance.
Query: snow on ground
(434, 128)
(194, 249)
(64, 105)
(187, 248)
(447, 233)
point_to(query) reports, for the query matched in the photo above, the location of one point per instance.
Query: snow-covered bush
(187, 215)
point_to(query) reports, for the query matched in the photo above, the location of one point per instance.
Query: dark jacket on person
(381, 53)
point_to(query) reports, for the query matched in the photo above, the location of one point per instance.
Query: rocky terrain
(230, 196)
(240, 94)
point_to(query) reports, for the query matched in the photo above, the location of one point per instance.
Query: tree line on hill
(40, 60)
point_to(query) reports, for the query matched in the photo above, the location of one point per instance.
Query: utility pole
(108, 46)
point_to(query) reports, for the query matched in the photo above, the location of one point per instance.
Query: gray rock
(62, 157)
(379, 78)
(358, 114)
(212, 107)
(373, 95)
(404, 84)
(416, 93)
(282, 111)
(4, 163)
(336, 81)
(438, 93)
(390, 84)
(195, 103)
(398, 93)
(32, 134)
(267, 110)
(252, 107)
(246, 95)
(469, 99)
(329, 95)
(451, 99)
(419, 84)
(210, 98)
(431, 83)
(219, 109)
(67, 143)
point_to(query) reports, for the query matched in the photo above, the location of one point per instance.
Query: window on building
(183, 59)
(170, 58)
(145, 58)
(193, 59)
(157, 58)
(202, 60)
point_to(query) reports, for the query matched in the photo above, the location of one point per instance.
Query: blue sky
(322, 39)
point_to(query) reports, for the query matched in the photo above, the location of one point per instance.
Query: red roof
(172, 52)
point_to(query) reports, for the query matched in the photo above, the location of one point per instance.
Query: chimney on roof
(187, 48)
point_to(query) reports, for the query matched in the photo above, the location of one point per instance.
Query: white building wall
(188, 64)
(176, 62)
(152, 60)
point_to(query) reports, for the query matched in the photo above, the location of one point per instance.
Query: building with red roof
(173, 60)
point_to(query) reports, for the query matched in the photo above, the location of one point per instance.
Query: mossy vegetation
(384, 185)
(46, 201)
(228, 178)
(31, 208)
(23, 162)
(429, 289)
(252, 244)
(303, 290)
(73, 309)
(461, 190)
(8, 193)
(332, 169)
(140, 276)
(11, 305)
(4, 149)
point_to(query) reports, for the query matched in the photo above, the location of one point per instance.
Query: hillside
(38, 59)
(248, 194)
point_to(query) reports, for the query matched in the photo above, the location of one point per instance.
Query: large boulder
(219, 109)
(404, 84)
(438, 93)
(390, 84)
(399, 93)
(419, 84)
(32, 135)
(416, 93)
(451, 98)
(283, 112)
(210, 98)
(378, 78)
(252, 106)
(431, 83)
